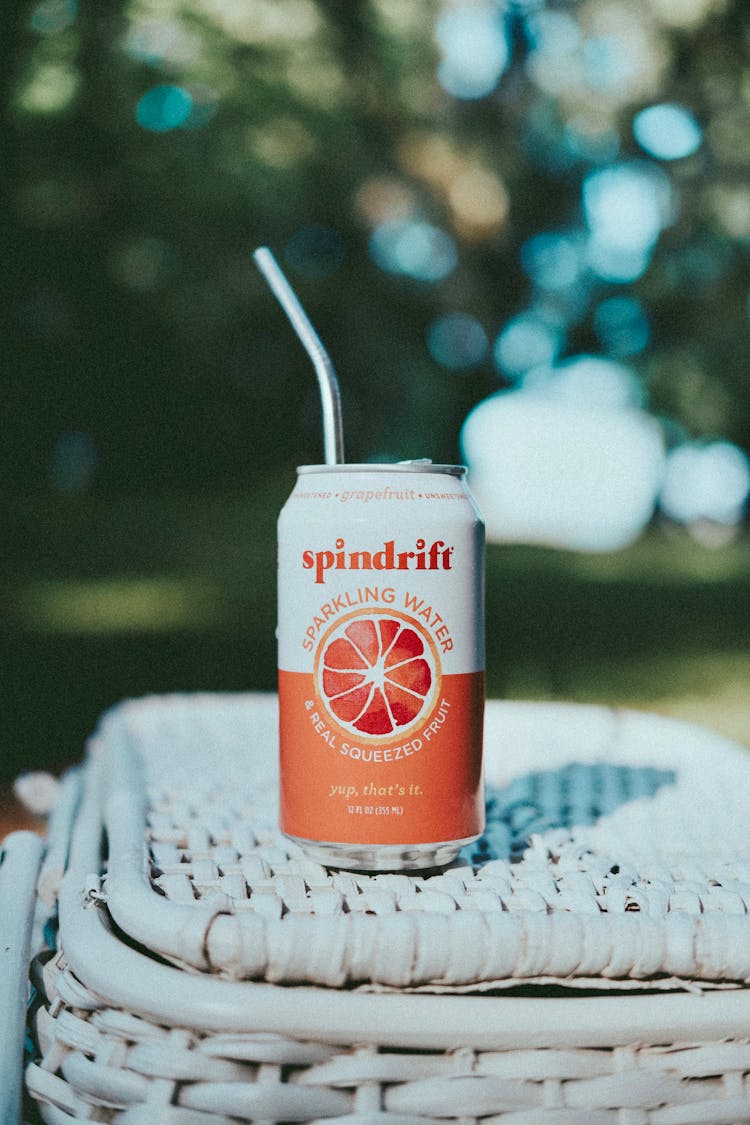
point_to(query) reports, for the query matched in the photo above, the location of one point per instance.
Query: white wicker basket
(616, 858)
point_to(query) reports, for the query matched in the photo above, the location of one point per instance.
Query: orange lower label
(381, 769)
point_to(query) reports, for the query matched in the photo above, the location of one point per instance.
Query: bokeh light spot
(626, 207)
(731, 205)
(562, 474)
(688, 13)
(475, 50)
(479, 200)
(383, 199)
(552, 260)
(554, 60)
(163, 108)
(591, 138)
(315, 251)
(51, 89)
(49, 17)
(432, 157)
(607, 63)
(667, 131)
(589, 381)
(282, 142)
(265, 23)
(161, 41)
(621, 325)
(706, 481)
(457, 341)
(414, 248)
(525, 342)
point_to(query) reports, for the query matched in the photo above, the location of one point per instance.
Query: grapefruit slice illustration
(377, 673)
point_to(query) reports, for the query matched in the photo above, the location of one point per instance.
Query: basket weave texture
(123, 1036)
(616, 849)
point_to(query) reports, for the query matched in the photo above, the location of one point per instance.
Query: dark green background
(157, 572)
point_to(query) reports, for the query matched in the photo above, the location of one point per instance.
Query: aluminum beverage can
(381, 665)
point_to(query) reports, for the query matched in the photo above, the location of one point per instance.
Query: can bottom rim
(383, 857)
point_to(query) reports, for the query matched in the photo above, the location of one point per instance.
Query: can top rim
(384, 467)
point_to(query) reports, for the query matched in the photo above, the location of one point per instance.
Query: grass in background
(105, 599)
(663, 625)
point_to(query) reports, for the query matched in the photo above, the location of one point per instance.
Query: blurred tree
(151, 147)
(464, 193)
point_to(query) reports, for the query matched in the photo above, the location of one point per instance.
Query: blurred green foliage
(155, 402)
(132, 310)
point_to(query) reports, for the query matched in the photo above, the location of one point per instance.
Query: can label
(381, 658)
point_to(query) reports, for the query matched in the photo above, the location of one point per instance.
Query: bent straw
(333, 431)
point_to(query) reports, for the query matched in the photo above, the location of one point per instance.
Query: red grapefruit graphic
(377, 672)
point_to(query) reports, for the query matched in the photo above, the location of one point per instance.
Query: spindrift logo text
(435, 557)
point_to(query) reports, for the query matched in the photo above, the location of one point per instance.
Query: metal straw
(333, 431)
